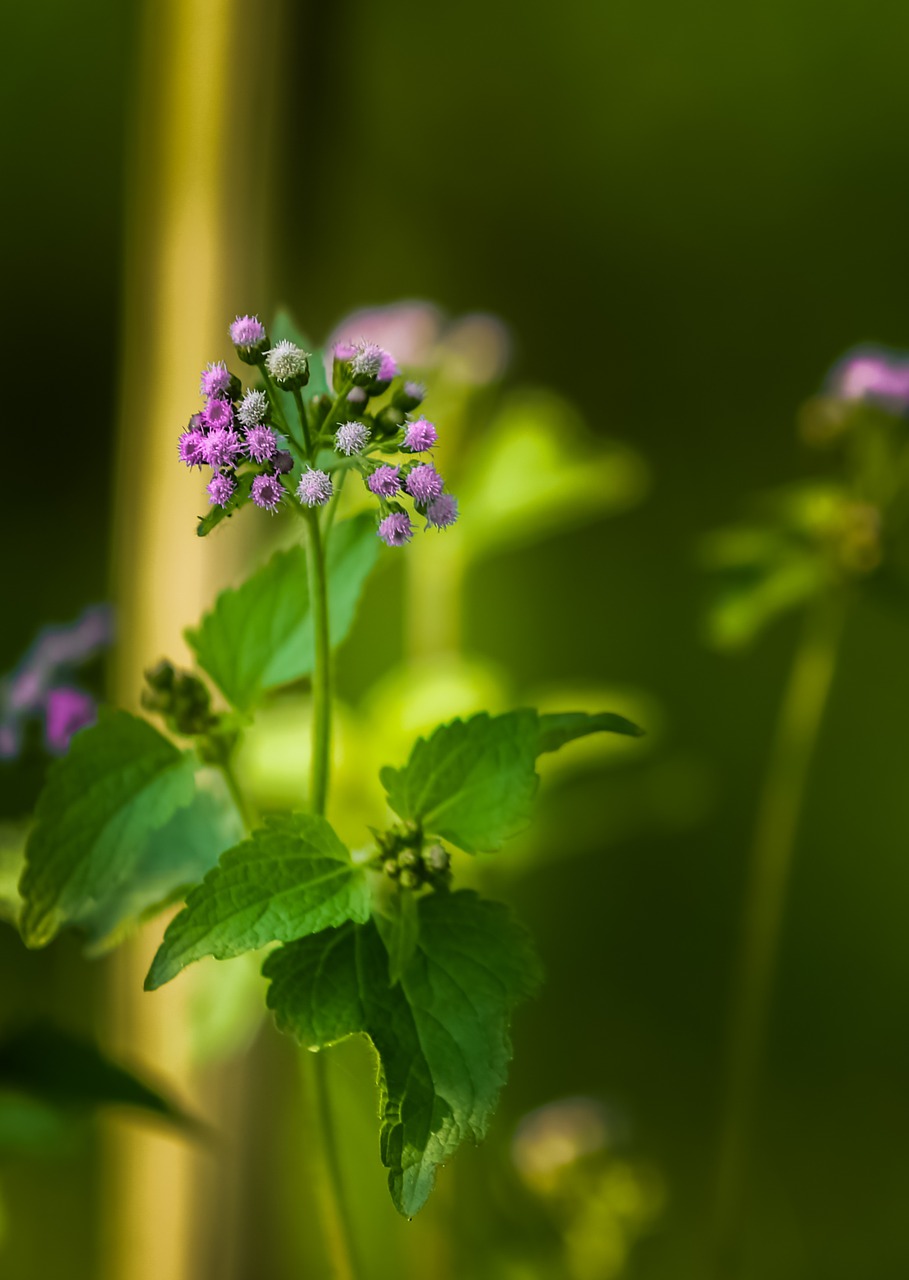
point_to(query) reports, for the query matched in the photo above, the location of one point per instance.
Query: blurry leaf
(60, 1071)
(556, 730)
(29, 1126)
(441, 1033)
(119, 784)
(259, 635)
(216, 514)
(290, 878)
(399, 929)
(539, 471)
(12, 861)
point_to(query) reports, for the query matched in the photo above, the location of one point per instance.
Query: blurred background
(681, 215)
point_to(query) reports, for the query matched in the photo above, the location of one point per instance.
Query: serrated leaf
(441, 1033)
(557, 729)
(292, 877)
(399, 927)
(119, 784)
(259, 636)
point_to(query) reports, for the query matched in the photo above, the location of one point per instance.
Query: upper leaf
(290, 878)
(116, 828)
(441, 1033)
(473, 781)
(259, 635)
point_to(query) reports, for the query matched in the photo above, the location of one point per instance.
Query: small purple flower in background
(395, 530)
(869, 373)
(66, 711)
(442, 511)
(247, 331)
(351, 437)
(267, 492)
(424, 483)
(420, 436)
(261, 444)
(253, 408)
(222, 447)
(215, 379)
(192, 448)
(385, 482)
(218, 413)
(286, 360)
(220, 490)
(314, 488)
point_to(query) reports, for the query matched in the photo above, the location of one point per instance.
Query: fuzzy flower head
(424, 483)
(253, 408)
(247, 331)
(192, 448)
(215, 380)
(286, 361)
(870, 373)
(388, 369)
(396, 529)
(344, 350)
(267, 492)
(314, 488)
(261, 444)
(420, 436)
(220, 489)
(442, 511)
(385, 482)
(218, 413)
(366, 361)
(351, 437)
(221, 447)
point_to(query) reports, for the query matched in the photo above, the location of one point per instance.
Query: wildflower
(396, 529)
(388, 369)
(66, 710)
(192, 448)
(253, 408)
(220, 489)
(442, 511)
(875, 374)
(420, 436)
(314, 488)
(218, 413)
(410, 396)
(424, 483)
(287, 363)
(366, 362)
(261, 444)
(385, 481)
(351, 437)
(344, 350)
(247, 332)
(215, 379)
(221, 447)
(267, 491)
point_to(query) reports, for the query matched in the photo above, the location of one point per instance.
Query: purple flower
(367, 359)
(876, 374)
(314, 488)
(215, 379)
(396, 529)
(286, 361)
(420, 436)
(192, 448)
(261, 444)
(442, 511)
(222, 447)
(247, 331)
(424, 483)
(267, 492)
(253, 408)
(385, 481)
(220, 489)
(388, 369)
(218, 413)
(66, 711)
(344, 350)
(351, 437)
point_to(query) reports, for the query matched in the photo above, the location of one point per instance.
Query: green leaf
(12, 862)
(290, 878)
(556, 730)
(259, 635)
(441, 1033)
(120, 782)
(399, 927)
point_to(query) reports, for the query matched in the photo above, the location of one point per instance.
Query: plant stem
(236, 792)
(776, 829)
(331, 417)
(304, 423)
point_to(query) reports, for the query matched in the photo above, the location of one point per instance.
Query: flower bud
(409, 396)
(389, 422)
(409, 879)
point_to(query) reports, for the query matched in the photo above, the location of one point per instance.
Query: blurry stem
(236, 792)
(304, 423)
(332, 415)
(333, 506)
(776, 828)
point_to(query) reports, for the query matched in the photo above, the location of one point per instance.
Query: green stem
(332, 416)
(776, 829)
(304, 423)
(321, 680)
(333, 505)
(236, 792)
(272, 393)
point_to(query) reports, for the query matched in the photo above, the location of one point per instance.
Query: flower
(283, 461)
(388, 369)
(396, 529)
(218, 413)
(871, 373)
(221, 447)
(192, 448)
(420, 436)
(267, 491)
(351, 437)
(66, 711)
(314, 488)
(442, 511)
(247, 331)
(286, 361)
(220, 489)
(385, 481)
(261, 444)
(215, 379)
(253, 408)
(366, 361)
(424, 483)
